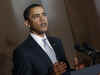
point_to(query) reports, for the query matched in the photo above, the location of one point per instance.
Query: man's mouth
(43, 24)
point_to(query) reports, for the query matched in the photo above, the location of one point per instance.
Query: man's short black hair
(27, 10)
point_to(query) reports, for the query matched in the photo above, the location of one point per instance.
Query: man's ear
(26, 23)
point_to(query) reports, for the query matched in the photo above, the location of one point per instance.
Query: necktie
(50, 52)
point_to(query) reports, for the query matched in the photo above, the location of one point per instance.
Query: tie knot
(46, 44)
(44, 39)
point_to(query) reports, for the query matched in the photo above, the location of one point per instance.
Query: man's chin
(42, 32)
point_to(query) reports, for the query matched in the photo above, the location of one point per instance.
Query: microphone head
(87, 46)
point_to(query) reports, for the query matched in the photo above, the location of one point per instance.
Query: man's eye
(45, 14)
(35, 16)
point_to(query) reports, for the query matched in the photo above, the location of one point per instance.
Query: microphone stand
(93, 55)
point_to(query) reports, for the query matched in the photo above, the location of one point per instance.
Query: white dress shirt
(39, 40)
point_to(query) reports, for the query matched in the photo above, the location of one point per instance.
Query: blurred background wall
(70, 20)
(83, 20)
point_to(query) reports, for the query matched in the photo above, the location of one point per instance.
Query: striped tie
(50, 52)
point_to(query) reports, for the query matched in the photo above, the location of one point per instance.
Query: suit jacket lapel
(34, 45)
(54, 45)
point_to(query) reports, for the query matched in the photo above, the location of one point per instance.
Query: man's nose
(42, 18)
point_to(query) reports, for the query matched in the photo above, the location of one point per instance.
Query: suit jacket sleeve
(63, 58)
(22, 64)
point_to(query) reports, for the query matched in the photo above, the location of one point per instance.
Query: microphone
(80, 48)
(87, 46)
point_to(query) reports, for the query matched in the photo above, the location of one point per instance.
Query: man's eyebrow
(35, 14)
(39, 13)
(44, 13)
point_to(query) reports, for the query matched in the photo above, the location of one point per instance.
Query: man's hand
(59, 68)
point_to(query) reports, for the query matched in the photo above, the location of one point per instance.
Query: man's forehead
(38, 9)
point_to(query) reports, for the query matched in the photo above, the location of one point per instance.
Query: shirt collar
(38, 37)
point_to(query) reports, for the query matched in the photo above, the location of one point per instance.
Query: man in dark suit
(39, 54)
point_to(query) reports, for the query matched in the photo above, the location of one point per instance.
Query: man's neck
(40, 35)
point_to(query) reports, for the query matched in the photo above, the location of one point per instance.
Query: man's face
(38, 20)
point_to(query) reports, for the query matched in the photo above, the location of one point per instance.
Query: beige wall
(97, 40)
(6, 24)
(83, 20)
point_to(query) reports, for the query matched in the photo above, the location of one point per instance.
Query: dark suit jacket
(30, 59)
